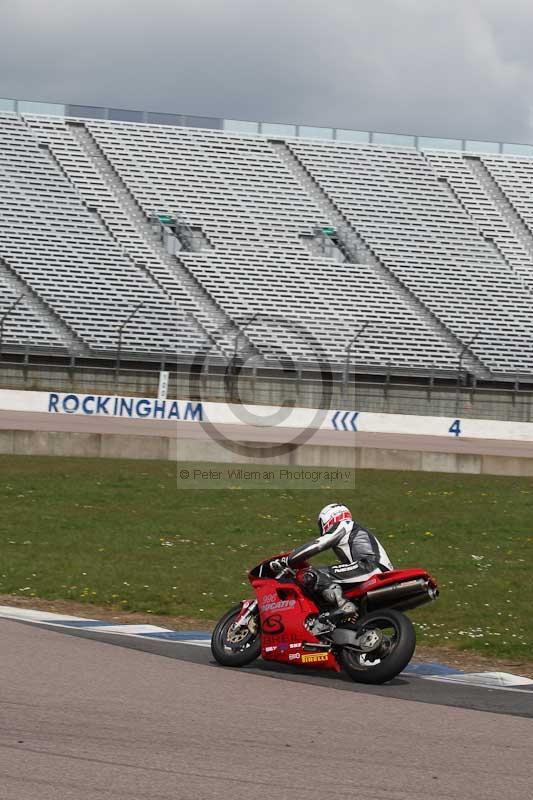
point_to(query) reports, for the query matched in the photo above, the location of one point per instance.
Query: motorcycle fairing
(283, 609)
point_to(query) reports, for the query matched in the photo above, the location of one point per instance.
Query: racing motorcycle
(283, 624)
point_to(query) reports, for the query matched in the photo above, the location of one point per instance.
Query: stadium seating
(309, 309)
(253, 212)
(445, 245)
(394, 201)
(24, 326)
(463, 174)
(65, 256)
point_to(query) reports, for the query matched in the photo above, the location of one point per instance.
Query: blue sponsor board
(131, 407)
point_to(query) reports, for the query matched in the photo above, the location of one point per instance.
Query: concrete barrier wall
(99, 445)
(341, 423)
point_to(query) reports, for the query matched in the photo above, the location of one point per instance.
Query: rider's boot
(344, 608)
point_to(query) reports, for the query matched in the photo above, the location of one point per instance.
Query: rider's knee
(315, 580)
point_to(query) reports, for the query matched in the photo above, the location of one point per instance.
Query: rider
(359, 551)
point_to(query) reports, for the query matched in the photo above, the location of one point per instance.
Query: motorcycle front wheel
(396, 648)
(235, 647)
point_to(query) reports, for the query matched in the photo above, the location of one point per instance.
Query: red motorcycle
(283, 624)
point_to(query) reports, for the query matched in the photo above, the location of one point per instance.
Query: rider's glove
(279, 564)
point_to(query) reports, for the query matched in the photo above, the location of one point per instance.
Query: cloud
(451, 69)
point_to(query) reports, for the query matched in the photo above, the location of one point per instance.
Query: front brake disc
(235, 635)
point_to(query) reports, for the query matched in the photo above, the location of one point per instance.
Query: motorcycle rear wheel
(234, 653)
(399, 644)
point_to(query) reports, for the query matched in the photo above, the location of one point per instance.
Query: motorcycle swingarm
(344, 637)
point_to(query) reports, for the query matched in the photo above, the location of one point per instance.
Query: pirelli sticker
(312, 658)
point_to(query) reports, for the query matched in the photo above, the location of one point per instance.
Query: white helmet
(331, 517)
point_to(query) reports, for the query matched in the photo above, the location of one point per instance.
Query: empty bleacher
(56, 247)
(393, 199)
(448, 270)
(23, 326)
(308, 310)
(464, 174)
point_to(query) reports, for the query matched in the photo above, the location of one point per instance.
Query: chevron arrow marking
(345, 420)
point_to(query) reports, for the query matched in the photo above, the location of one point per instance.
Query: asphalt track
(13, 420)
(84, 720)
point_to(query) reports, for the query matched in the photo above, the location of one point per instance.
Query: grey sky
(461, 68)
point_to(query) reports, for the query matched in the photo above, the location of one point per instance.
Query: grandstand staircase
(72, 343)
(502, 203)
(211, 320)
(356, 250)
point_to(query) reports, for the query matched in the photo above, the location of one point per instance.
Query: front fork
(247, 612)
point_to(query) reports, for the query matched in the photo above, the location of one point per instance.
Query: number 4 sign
(455, 428)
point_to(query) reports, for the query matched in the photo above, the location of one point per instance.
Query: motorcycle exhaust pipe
(403, 595)
(399, 589)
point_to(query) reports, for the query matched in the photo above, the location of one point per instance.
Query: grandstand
(173, 240)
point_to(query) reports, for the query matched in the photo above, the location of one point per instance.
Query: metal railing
(268, 129)
(388, 391)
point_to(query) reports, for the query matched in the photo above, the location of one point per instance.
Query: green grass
(121, 533)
